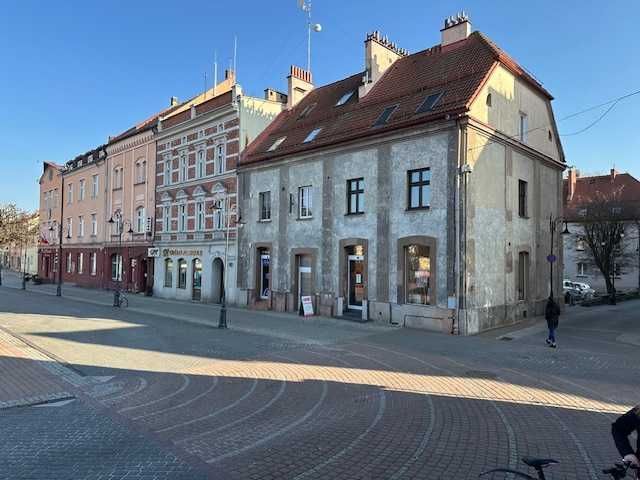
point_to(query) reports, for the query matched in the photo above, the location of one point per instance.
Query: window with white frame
(166, 218)
(265, 205)
(140, 220)
(167, 172)
(168, 272)
(183, 168)
(582, 269)
(80, 226)
(218, 215)
(116, 267)
(182, 273)
(220, 158)
(69, 263)
(95, 185)
(94, 263)
(70, 227)
(182, 218)
(94, 225)
(81, 190)
(524, 126)
(70, 194)
(80, 262)
(200, 216)
(200, 168)
(304, 202)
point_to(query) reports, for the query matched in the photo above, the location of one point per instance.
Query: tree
(17, 227)
(604, 224)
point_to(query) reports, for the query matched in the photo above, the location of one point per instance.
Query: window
(70, 227)
(265, 205)
(616, 210)
(80, 262)
(221, 127)
(345, 98)
(94, 225)
(580, 245)
(220, 158)
(200, 172)
(582, 269)
(524, 126)
(166, 218)
(117, 178)
(418, 274)
(94, 263)
(429, 103)
(200, 216)
(276, 144)
(218, 216)
(312, 135)
(307, 110)
(384, 116)
(70, 194)
(55, 198)
(80, 226)
(168, 272)
(522, 198)
(182, 273)
(140, 220)
(183, 168)
(94, 186)
(141, 171)
(582, 212)
(523, 276)
(304, 202)
(167, 172)
(355, 196)
(69, 266)
(116, 267)
(550, 135)
(182, 218)
(419, 188)
(489, 100)
(81, 190)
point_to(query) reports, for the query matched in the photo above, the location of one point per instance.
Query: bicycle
(121, 300)
(618, 472)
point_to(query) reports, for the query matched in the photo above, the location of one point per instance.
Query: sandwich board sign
(307, 306)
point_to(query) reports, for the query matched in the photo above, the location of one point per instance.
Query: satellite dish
(317, 27)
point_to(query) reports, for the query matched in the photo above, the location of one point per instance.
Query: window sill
(115, 189)
(524, 217)
(141, 182)
(304, 219)
(417, 209)
(264, 220)
(353, 214)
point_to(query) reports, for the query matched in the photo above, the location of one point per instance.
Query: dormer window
(276, 144)
(385, 115)
(312, 135)
(345, 98)
(429, 103)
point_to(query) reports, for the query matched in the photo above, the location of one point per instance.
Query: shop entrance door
(196, 288)
(356, 281)
(304, 278)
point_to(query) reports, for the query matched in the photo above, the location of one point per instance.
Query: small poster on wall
(307, 306)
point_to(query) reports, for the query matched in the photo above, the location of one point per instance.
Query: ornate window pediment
(181, 195)
(166, 197)
(199, 191)
(218, 189)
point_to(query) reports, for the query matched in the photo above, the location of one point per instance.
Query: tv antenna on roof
(305, 5)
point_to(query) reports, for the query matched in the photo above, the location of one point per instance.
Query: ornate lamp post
(118, 220)
(554, 223)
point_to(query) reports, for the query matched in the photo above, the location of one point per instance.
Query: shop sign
(153, 252)
(167, 252)
(307, 306)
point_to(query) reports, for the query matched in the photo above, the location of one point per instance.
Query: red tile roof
(458, 71)
(621, 190)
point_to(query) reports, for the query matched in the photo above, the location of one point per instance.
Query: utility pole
(59, 287)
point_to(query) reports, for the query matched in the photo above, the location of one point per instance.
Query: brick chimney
(300, 82)
(572, 177)
(379, 55)
(456, 28)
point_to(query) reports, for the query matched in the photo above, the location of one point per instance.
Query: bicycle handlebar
(619, 471)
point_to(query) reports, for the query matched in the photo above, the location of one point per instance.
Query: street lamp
(68, 237)
(553, 226)
(118, 220)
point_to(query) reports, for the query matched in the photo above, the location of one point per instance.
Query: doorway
(196, 284)
(304, 278)
(355, 280)
(265, 274)
(217, 273)
(144, 275)
(46, 266)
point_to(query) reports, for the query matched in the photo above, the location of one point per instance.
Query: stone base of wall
(474, 321)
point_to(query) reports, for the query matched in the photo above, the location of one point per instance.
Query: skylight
(384, 116)
(429, 103)
(345, 98)
(307, 110)
(312, 134)
(276, 144)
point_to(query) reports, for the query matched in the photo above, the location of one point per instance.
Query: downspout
(456, 227)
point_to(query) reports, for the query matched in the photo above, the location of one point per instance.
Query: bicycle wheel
(124, 302)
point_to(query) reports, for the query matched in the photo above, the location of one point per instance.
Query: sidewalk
(314, 330)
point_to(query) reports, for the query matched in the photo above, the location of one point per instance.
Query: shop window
(116, 267)
(182, 273)
(168, 272)
(94, 263)
(418, 274)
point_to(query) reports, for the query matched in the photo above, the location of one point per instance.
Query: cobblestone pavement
(359, 403)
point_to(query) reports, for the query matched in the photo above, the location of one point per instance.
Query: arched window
(168, 272)
(220, 158)
(182, 273)
(116, 267)
(200, 171)
(143, 171)
(197, 273)
(183, 168)
(140, 220)
(489, 99)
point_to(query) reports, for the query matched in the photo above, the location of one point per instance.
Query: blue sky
(74, 72)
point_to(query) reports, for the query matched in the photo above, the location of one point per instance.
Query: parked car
(585, 289)
(572, 292)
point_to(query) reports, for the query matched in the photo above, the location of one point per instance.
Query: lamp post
(118, 220)
(553, 226)
(51, 229)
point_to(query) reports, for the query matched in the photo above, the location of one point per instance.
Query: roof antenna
(215, 71)
(205, 85)
(235, 55)
(305, 5)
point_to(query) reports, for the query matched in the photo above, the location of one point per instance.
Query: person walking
(621, 430)
(552, 314)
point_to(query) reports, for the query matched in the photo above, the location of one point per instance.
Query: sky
(74, 72)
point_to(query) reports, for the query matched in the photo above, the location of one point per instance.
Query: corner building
(416, 192)
(197, 219)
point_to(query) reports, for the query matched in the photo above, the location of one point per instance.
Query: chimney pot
(173, 102)
(456, 28)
